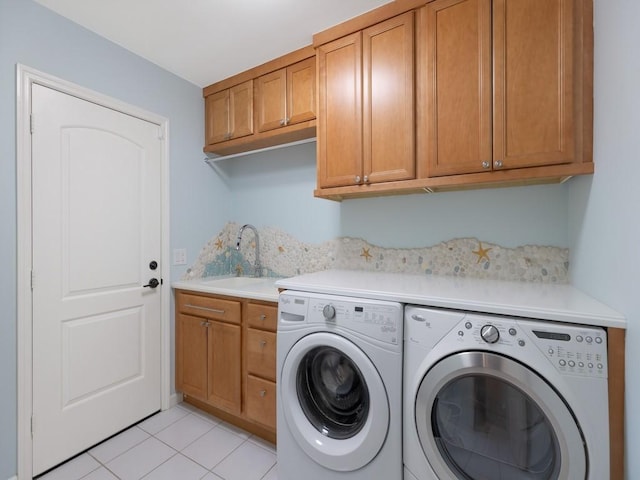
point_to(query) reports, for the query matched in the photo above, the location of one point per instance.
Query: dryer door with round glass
(482, 415)
(337, 407)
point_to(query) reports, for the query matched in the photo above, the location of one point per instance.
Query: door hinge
(160, 133)
(32, 426)
(33, 279)
(31, 124)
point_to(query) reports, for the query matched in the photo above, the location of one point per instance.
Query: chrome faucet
(257, 267)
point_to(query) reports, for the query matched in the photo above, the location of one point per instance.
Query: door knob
(153, 283)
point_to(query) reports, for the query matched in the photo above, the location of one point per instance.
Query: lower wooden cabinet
(226, 358)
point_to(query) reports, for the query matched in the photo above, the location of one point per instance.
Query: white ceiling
(204, 41)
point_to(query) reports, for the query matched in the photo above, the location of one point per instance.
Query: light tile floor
(182, 443)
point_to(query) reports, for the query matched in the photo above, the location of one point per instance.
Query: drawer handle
(263, 343)
(206, 309)
(263, 393)
(263, 317)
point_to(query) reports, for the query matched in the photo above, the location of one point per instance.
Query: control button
(490, 334)
(512, 332)
(589, 339)
(600, 366)
(550, 351)
(521, 343)
(460, 333)
(581, 364)
(590, 365)
(329, 311)
(572, 363)
(562, 363)
(468, 325)
(598, 340)
(579, 339)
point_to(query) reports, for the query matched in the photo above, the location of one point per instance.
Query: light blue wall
(276, 189)
(604, 211)
(33, 36)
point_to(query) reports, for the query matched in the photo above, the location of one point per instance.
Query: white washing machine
(339, 375)
(491, 397)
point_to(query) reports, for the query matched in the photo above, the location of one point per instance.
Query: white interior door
(96, 183)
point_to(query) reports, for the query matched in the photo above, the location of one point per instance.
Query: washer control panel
(375, 319)
(572, 349)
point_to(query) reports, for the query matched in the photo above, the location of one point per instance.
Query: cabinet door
(534, 97)
(301, 91)
(224, 375)
(241, 109)
(454, 99)
(388, 100)
(340, 112)
(261, 401)
(217, 128)
(191, 355)
(271, 96)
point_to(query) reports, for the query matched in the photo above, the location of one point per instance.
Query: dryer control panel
(572, 349)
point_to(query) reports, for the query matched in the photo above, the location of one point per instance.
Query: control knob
(329, 311)
(490, 334)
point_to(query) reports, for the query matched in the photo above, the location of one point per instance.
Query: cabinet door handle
(263, 317)
(485, 164)
(366, 179)
(357, 178)
(263, 393)
(263, 344)
(206, 309)
(204, 324)
(497, 164)
(283, 122)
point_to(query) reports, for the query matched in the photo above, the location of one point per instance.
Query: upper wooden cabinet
(268, 105)
(536, 119)
(503, 96)
(229, 113)
(531, 69)
(366, 106)
(286, 96)
(454, 64)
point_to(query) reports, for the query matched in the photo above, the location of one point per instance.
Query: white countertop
(262, 288)
(563, 303)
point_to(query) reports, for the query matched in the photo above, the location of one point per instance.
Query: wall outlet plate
(179, 256)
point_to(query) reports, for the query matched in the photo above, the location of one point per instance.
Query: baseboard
(174, 399)
(13, 478)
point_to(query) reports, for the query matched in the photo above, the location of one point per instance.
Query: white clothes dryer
(339, 394)
(491, 397)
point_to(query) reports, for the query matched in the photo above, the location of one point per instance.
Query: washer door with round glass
(481, 415)
(334, 402)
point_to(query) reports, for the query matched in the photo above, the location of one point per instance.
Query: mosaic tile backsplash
(282, 255)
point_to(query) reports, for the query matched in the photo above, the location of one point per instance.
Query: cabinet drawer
(261, 401)
(261, 353)
(209, 307)
(264, 317)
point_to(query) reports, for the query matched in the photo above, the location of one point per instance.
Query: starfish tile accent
(365, 253)
(482, 252)
(219, 243)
